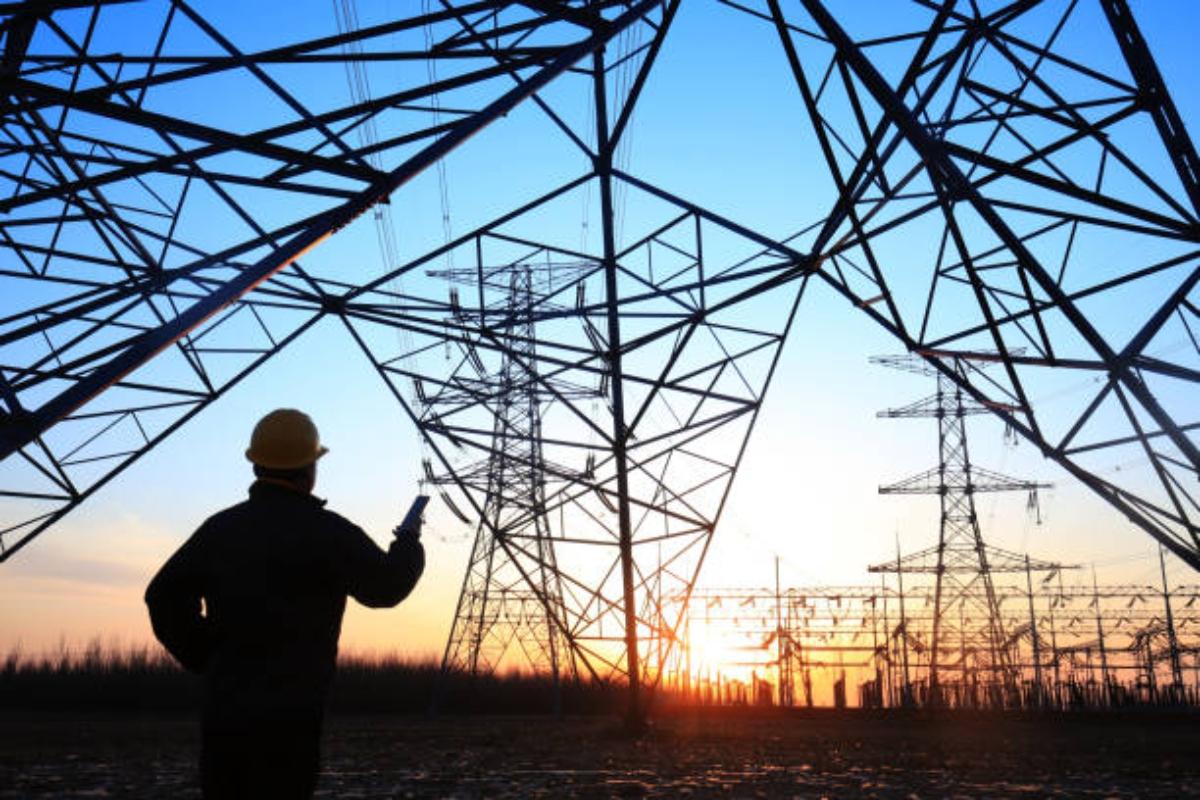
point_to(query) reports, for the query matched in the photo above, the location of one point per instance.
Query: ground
(727, 754)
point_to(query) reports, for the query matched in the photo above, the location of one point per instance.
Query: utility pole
(1057, 699)
(779, 637)
(906, 698)
(1108, 688)
(876, 661)
(1172, 638)
(887, 641)
(1034, 638)
(962, 658)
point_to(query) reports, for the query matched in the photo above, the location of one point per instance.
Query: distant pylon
(964, 594)
(508, 614)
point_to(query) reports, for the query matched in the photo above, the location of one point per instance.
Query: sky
(807, 490)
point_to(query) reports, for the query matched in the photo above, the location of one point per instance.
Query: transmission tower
(966, 613)
(182, 195)
(503, 612)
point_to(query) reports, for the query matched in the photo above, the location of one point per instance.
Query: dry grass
(144, 679)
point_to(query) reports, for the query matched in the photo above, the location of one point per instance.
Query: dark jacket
(254, 601)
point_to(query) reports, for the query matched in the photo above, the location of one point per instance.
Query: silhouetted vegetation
(136, 678)
(396, 684)
(143, 679)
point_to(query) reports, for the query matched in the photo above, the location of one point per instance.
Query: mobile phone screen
(414, 513)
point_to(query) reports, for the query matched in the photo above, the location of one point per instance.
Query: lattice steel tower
(505, 613)
(966, 614)
(181, 193)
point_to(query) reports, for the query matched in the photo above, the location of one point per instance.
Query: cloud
(119, 553)
(58, 568)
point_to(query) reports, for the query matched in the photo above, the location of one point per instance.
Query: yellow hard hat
(285, 439)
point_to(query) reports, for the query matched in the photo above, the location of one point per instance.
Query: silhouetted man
(254, 600)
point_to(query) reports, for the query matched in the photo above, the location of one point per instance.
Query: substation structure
(1006, 189)
(959, 624)
(1068, 646)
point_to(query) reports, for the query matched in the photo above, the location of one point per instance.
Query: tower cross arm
(986, 480)
(932, 406)
(977, 479)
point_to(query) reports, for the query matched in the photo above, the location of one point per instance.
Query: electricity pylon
(504, 614)
(691, 375)
(966, 613)
(1013, 180)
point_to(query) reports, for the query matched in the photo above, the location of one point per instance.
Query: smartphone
(413, 517)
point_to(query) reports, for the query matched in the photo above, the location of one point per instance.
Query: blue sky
(720, 125)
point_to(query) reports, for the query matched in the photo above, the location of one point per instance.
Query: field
(726, 753)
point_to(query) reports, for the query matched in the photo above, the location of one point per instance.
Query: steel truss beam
(149, 274)
(695, 372)
(138, 249)
(1034, 201)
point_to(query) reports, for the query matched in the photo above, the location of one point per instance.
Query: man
(253, 601)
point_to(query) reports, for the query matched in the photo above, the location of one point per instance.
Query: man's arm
(173, 598)
(379, 579)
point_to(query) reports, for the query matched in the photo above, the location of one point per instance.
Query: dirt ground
(807, 754)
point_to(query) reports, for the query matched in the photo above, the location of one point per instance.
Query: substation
(960, 624)
(1007, 190)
